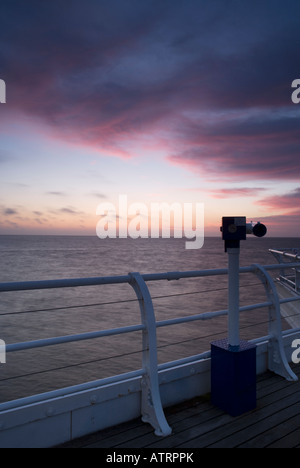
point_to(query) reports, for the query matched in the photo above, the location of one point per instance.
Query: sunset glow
(167, 101)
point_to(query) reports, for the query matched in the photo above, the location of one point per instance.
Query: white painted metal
(234, 298)
(71, 338)
(277, 358)
(152, 411)
(285, 257)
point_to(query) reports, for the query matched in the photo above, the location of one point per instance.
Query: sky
(165, 101)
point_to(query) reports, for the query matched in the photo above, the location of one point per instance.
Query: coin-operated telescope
(235, 228)
(233, 361)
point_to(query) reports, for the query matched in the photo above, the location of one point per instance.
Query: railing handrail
(286, 253)
(151, 407)
(285, 257)
(105, 280)
(96, 281)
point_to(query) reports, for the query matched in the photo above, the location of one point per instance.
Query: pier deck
(197, 424)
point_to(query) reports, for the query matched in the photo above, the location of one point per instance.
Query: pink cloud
(115, 75)
(241, 149)
(237, 192)
(289, 201)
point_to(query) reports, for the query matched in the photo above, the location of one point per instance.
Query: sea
(34, 315)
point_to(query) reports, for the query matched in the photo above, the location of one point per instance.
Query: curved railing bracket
(278, 362)
(152, 410)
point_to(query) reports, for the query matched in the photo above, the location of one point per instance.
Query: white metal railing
(289, 275)
(151, 408)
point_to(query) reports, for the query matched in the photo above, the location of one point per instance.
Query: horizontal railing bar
(191, 318)
(260, 305)
(63, 283)
(286, 254)
(290, 331)
(68, 391)
(180, 362)
(169, 276)
(289, 299)
(209, 315)
(118, 331)
(288, 281)
(78, 282)
(274, 267)
(261, 339)
(71, 338)
(177, 275)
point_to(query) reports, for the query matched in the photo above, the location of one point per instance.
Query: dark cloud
(99, 195)
(241, 144)
(9, 212)
(56, 194)
(69, 211)
(106, 73)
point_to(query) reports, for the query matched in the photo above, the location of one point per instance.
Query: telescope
(235, 228)
(258, 229)
(233, 361)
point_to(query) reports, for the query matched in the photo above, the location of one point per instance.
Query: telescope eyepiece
(259, 230)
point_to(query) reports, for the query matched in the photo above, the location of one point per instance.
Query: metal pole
(233, 299)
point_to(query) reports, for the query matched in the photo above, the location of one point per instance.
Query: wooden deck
(197, 424)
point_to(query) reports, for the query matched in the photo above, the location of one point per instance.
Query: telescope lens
(259, 230)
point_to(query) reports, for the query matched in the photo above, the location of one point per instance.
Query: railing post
(278, 362)
(152, 410)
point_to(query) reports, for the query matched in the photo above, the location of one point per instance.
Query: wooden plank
(279, 392)
(291, 440)
(140, 433)
(199, 424)
(271, 396)
(236, 431)
(123, 438)
(196, 431)
(241, 437)
(188, 424)
(285, 431)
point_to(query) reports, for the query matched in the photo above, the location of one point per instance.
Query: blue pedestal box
(233, 377)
